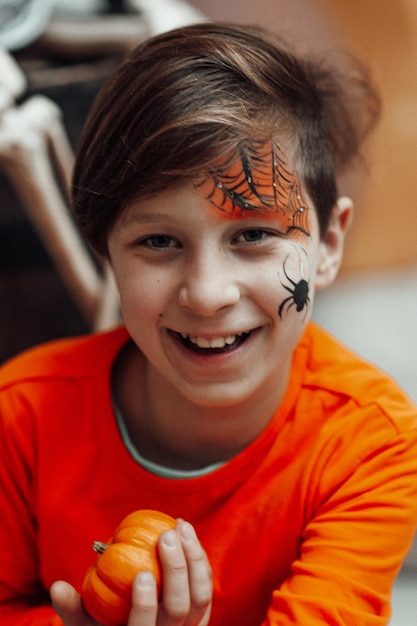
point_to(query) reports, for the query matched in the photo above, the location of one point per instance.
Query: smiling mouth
(215, 345)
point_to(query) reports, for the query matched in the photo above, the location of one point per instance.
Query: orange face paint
(258, 181)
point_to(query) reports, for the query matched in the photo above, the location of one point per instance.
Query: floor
(405, 600)
(376, 315)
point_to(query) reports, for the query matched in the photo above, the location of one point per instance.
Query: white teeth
(216, 342)
(201, 342)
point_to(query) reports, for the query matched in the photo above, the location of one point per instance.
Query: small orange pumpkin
(107, 585)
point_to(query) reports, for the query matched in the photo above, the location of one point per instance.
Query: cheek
(141, 295)
(294, 283)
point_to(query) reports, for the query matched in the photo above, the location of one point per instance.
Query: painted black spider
(299, 293)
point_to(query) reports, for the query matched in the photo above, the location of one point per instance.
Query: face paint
(258, 181)
(298, 288)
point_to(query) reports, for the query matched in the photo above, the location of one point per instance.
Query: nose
(209, 284)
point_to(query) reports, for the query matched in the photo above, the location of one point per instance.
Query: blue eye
(254, 234)
(158, 241)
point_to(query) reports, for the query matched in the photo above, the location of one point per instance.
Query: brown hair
(188, 97)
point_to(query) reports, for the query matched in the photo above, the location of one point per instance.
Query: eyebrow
(145, 218)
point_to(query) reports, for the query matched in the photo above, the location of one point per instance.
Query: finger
(68, 604)
(144, 601)
(199, 575)
(175, 590)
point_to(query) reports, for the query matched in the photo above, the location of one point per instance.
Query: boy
(207, 177)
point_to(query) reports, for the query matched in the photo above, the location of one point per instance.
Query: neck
(166, 428)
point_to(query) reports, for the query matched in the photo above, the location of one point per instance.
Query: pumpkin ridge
(107, 585)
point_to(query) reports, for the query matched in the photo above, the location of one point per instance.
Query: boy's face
(217, 295)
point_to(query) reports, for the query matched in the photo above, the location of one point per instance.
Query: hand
(187, 587)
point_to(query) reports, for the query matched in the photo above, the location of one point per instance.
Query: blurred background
(55, 54)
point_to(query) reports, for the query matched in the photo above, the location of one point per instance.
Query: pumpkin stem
(99, 547)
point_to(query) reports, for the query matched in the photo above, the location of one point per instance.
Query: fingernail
(146, 580)
(170, 539)
(186, 531)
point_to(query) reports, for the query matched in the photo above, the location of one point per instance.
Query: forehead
(258, 181)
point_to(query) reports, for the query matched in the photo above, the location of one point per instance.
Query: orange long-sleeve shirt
(308, 525)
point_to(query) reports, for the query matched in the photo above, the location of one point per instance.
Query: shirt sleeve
(23, 601)
(354, 542)
(18, 615)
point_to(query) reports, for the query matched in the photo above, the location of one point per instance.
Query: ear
(331, 246)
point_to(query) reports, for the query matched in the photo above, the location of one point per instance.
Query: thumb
(67, 603)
